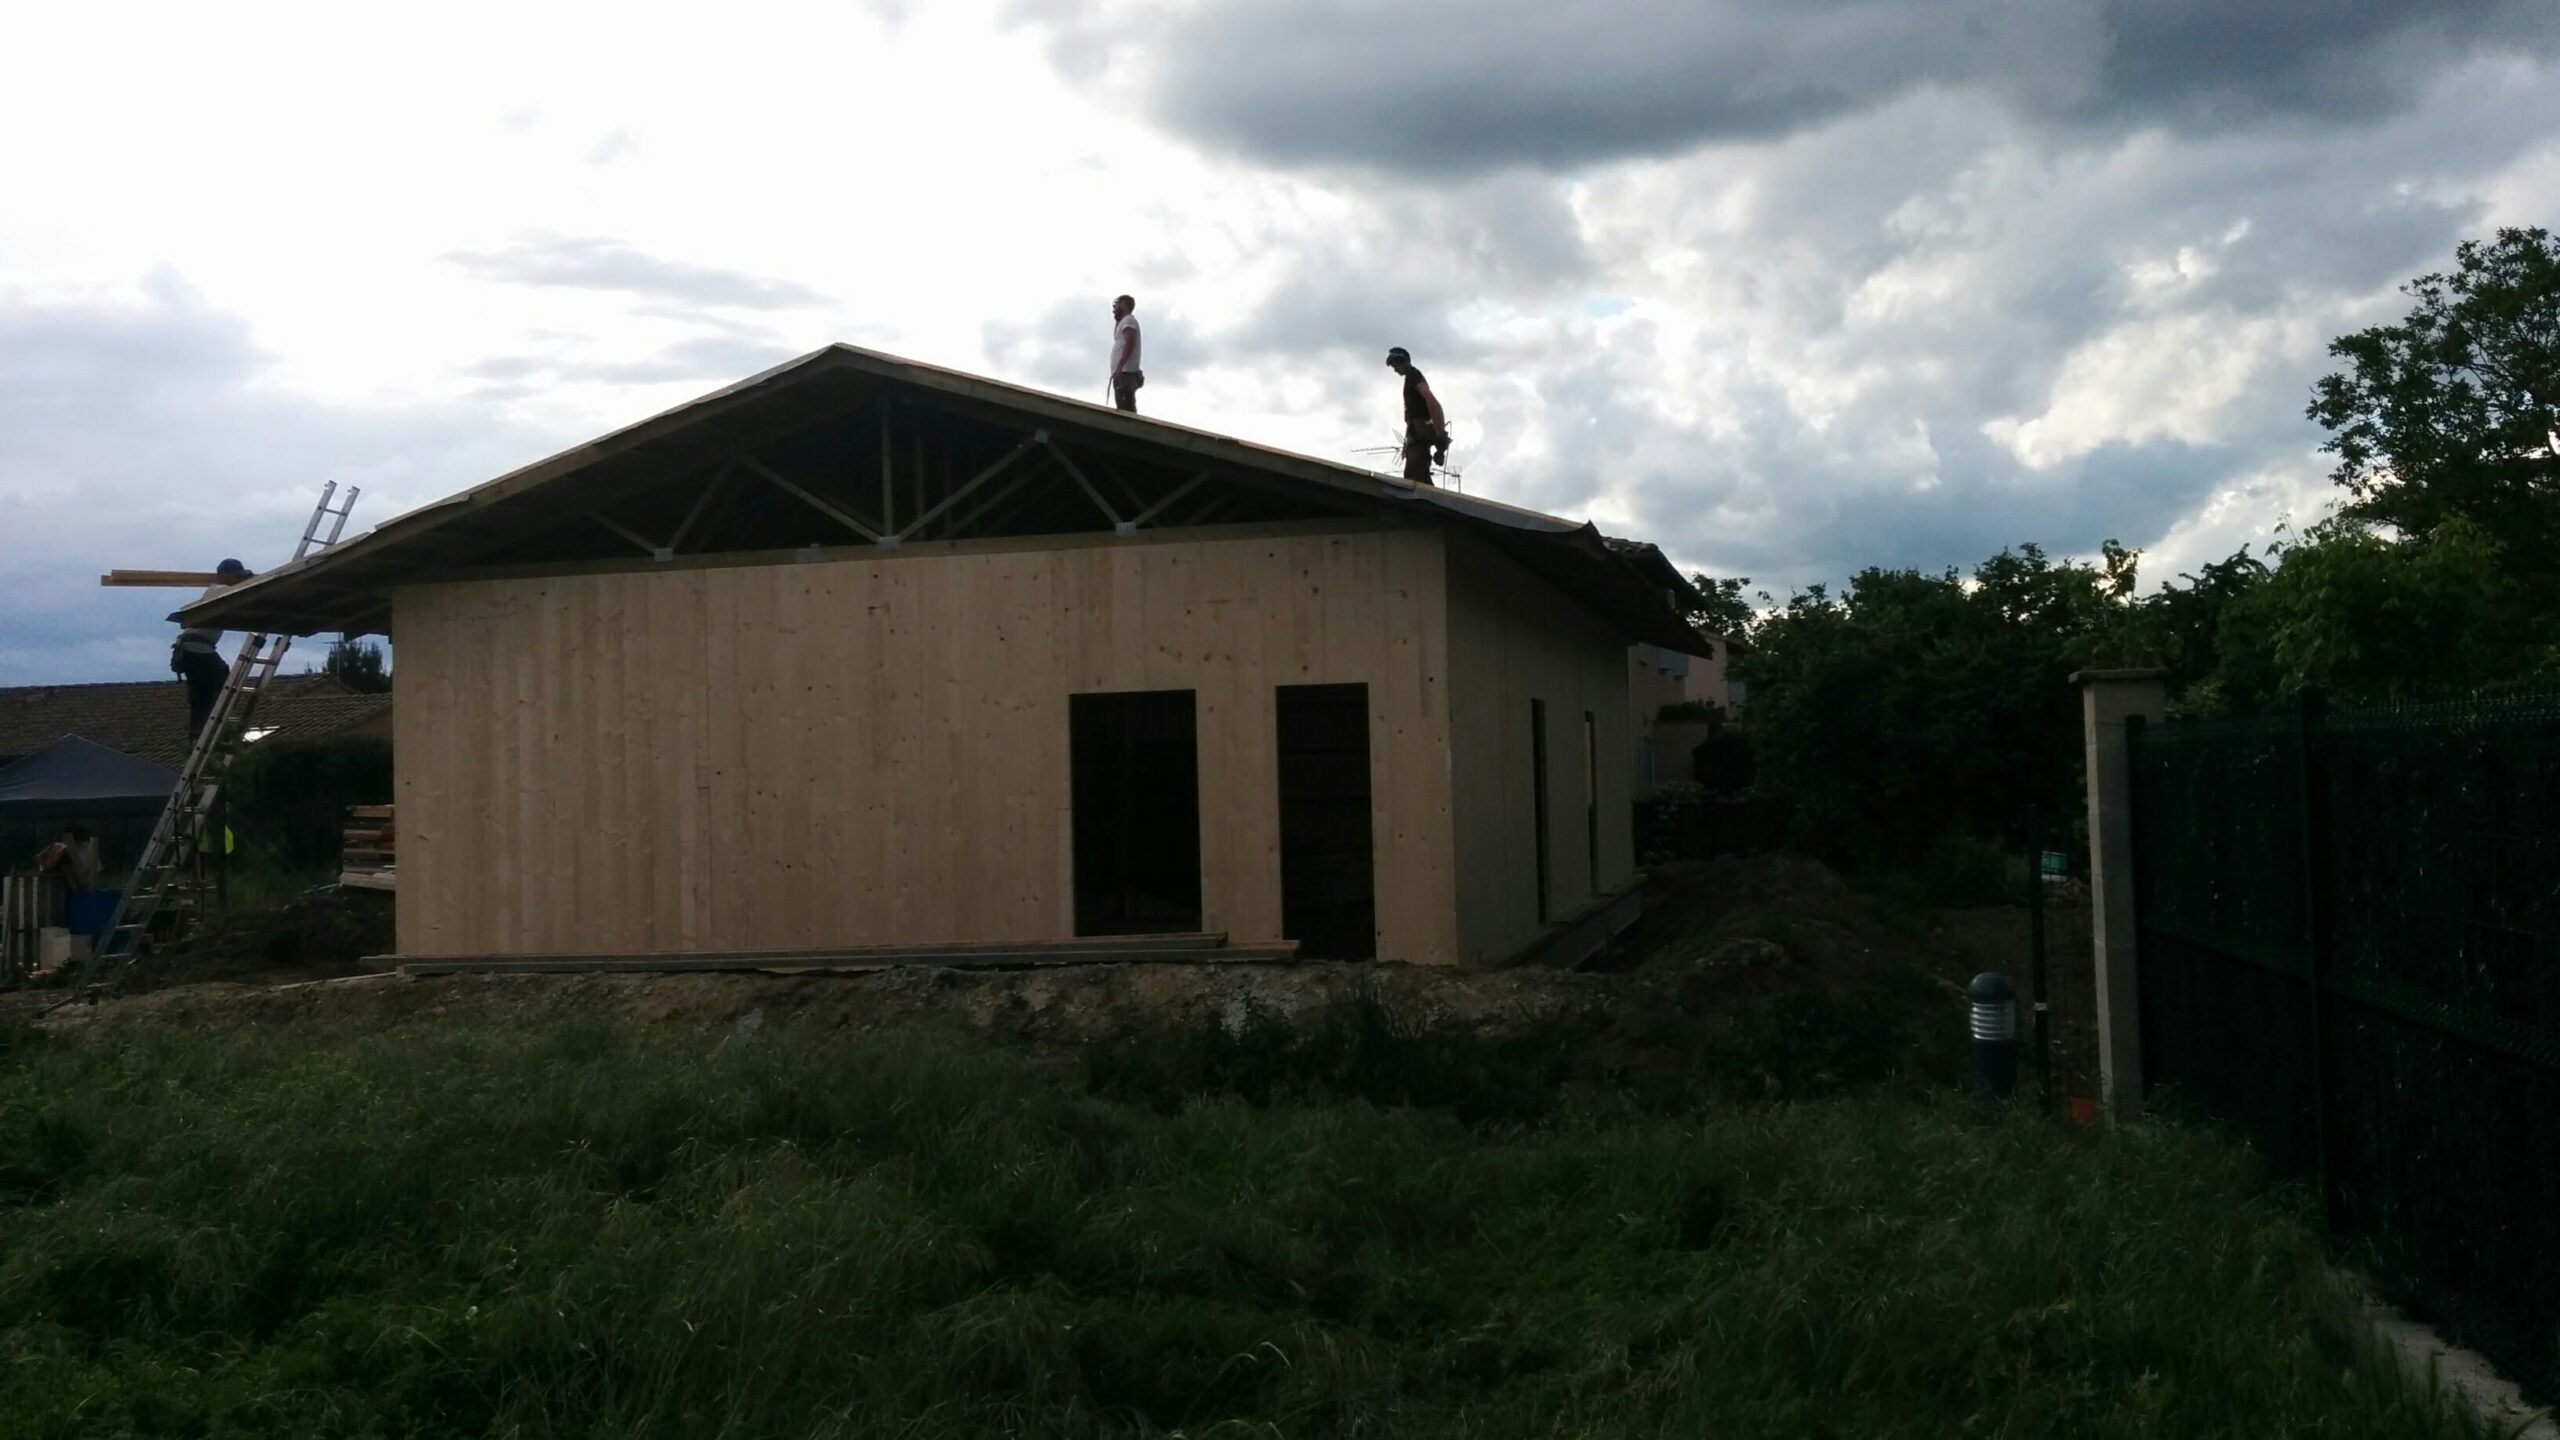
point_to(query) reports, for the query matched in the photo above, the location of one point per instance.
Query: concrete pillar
(2108, 698)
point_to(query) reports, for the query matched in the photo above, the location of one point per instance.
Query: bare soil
(1735, 935)
(1998, 938)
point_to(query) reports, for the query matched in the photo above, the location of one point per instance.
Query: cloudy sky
(1790, 286)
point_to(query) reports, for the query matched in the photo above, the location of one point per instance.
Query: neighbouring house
(864, 652)
(1710, 682)
(89, 754)
(149, 717)
(1656, 677)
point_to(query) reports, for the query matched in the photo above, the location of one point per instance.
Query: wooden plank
(372, 812)
(1583, 934)
(927, 549)
(846, 963)
(160, 579)
(368, 880)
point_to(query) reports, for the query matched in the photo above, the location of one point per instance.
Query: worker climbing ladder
(166, 866)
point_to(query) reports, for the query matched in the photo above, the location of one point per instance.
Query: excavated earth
(1718, 937)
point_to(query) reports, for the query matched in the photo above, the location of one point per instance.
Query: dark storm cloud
(141, 431)
(1436, 87)
(588, 262)
(1404, 268)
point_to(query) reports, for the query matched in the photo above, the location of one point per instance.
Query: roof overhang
(348, 585)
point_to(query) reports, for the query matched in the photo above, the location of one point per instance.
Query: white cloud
(2183, 378)
(1927, 321)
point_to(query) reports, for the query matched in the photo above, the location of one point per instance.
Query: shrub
(288, 802)
(1963, 870)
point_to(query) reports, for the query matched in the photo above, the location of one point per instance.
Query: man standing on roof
(198, 654)
(1126, 377)
(1426, 429)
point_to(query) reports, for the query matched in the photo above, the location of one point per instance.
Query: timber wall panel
(1514, 638)
(874, 751)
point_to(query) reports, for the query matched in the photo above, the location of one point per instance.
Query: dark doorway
(1328, 875)
(1591, 800)
(1135, 758)
(1538, 795)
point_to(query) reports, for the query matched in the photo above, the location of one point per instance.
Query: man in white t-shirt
(1126, 377)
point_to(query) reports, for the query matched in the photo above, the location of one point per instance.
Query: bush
(288, 802)
(1723, 762)
(1963, 870)
(1683, 818)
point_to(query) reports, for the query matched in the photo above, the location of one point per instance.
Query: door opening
(1538, 795)
(1591, 800)
(1135, 762)
(1328, 874)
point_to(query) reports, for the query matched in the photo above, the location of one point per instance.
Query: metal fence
(2350, 947)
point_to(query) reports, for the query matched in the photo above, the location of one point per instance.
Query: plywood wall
(1514, 638)
(874, 751)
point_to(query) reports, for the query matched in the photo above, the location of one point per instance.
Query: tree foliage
(359, 665)
(1913, 704)
(1912, 707)
(2451, 412)
(1725, 610)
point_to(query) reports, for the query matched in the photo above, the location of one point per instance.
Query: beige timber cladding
(875, 750)
(1514, 638)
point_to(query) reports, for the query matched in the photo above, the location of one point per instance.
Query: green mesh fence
(2350, 946)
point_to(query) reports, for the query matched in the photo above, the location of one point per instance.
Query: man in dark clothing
(1426, 429)
(198, 654)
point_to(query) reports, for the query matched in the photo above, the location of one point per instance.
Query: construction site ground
(1832, 975)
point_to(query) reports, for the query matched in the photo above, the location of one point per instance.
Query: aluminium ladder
(166, 858)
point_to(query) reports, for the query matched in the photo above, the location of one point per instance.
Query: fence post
(2108, 700)
(2318, 895)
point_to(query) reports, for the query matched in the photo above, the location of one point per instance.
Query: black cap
(1398, 353)
(231, 567)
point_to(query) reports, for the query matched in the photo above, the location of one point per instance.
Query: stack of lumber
(367, 863)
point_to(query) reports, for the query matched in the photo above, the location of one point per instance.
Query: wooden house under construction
(862, 652)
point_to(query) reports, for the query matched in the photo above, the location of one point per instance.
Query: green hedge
(288, 802)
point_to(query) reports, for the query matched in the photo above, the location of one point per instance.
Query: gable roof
(346, 587)
(148, 718)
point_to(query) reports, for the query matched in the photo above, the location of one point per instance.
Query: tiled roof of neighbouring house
(149, 717)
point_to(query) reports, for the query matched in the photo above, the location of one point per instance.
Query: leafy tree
(359, 665)
(2452, 412)
(2369, 618)
(1725, 611)
(1915, 705)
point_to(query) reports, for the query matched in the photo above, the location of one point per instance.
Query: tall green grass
(589, 1230)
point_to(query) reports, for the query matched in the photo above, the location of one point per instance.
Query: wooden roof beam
(806, 497)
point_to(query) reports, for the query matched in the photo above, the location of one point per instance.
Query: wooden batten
(160, 579)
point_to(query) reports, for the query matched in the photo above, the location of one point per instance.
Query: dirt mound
(1793, 902)
(1063, 1006)
(317, 937)
(1748, 973)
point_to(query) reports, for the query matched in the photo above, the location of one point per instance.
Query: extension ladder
(165, 865)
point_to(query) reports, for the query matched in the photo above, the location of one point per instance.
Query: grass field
(600, 1230)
